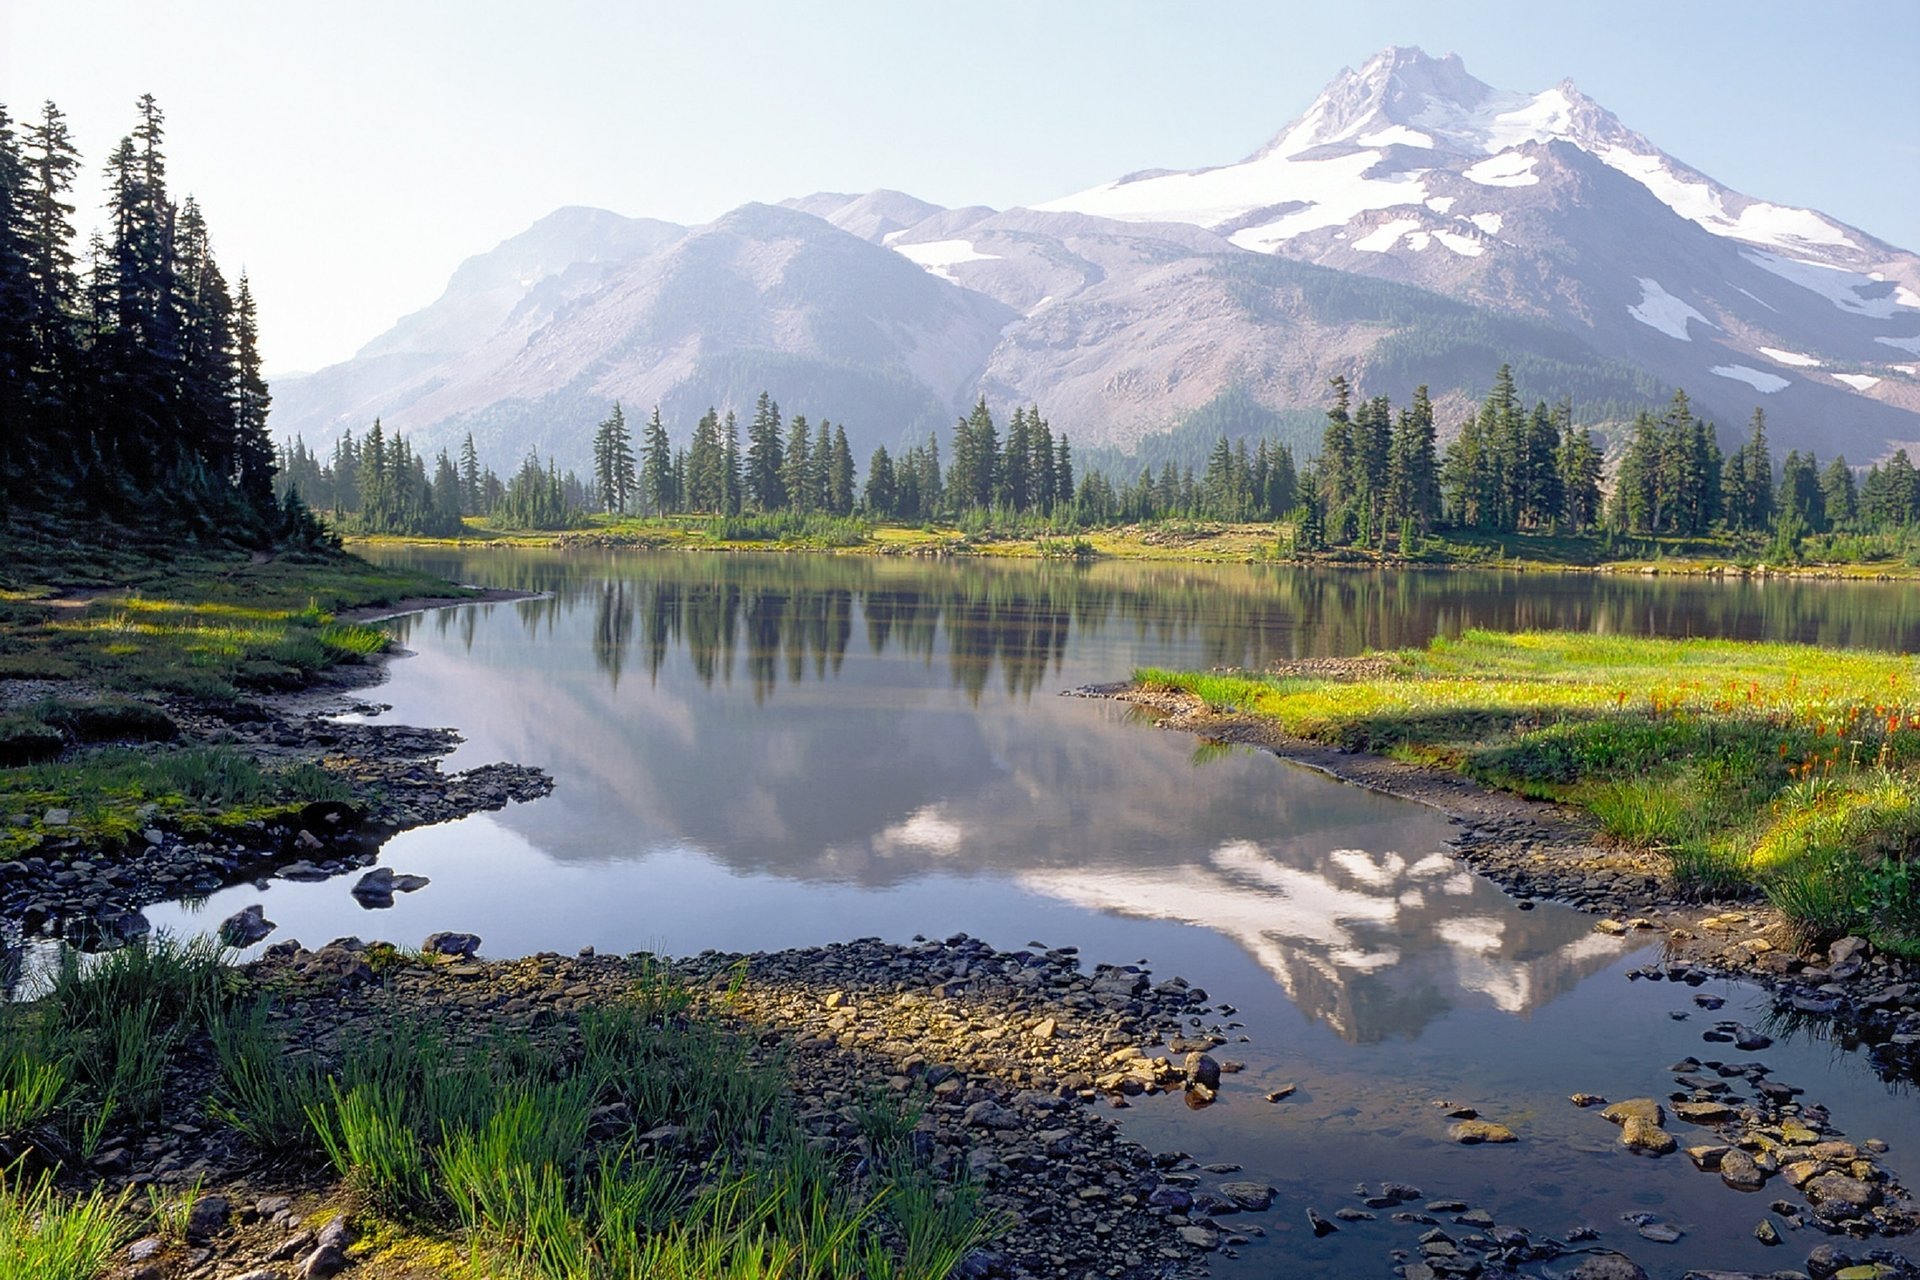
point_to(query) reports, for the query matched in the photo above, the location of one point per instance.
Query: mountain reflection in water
(859, 738)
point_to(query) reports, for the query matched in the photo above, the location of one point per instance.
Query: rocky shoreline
(999, 1053)
(93, 897)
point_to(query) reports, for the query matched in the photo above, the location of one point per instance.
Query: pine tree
(470, 494)
(50, 162)
(733, 485)
(840, 492)
(820, 460)
(1580, 464)
(252, 445)
(613, 472)
(20, 429)
(1046, 485)
(1413, 482)
(798, 477)
(706, 483)
(656, 469)
(1837, 493)
(1016, 479)
(766, 462)
(882, 494)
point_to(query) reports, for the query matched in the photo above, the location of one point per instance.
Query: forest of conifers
(1380, 480)
(132, 388)
(130, 384)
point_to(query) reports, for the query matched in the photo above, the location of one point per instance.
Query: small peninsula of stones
(93, 897)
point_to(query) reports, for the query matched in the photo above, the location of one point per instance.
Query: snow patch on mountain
(1465, 246)
(1330, 192)
(1863, 295)
(941, 256)
(1902, 344)
(1385, 236)
(1757, 223)
(1487, 222)
(1511, 169)
(1397, 134)
(1442, 204)
(1858, 381)
(1765, 383)
(1794, 358)
(1661, 310)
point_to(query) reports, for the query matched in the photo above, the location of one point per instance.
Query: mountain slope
(1413, 225)
(1546, 204)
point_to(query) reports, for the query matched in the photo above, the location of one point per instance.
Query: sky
(349, 155)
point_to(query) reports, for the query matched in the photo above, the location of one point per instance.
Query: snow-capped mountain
(1413, 225)
(1411, 169)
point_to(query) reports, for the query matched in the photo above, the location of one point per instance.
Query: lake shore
(1538, 850)
(965, 1012)
(1197, 542)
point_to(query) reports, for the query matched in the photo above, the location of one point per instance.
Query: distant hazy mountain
(1414, 225)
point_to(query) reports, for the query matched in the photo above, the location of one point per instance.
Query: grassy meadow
(1180, 539)
(646, 1138)
(109, 641)
(1787, 768)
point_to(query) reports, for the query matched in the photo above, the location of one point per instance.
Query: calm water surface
(755, 752)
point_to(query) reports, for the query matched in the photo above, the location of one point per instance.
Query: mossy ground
(112, 639)
(1788, 767)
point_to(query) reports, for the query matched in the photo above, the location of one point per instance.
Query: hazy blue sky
(349, 155)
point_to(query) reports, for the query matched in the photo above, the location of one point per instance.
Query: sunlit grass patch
(112, 793)
(1788, 766)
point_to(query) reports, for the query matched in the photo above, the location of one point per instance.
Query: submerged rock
(245, 927)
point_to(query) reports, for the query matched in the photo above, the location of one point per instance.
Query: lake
(754, 752)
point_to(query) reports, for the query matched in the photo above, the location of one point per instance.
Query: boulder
(451, 944)
(1201, 1069)
(1642, 1135)
(245, 927)
(1607, 1265)
(1645, 1108)
(1738, 1170)
(1472, 1132)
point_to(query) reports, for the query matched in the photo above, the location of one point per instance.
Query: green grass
(1789, 768)
(45, 1235)
(525, 1146)
(116, 1020)
(115, 792)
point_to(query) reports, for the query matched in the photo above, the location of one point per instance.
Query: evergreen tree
(18, 355)
(53, 300)
(1837, 493)
(1580, 465)
(766, 462)
(253, 446)
(1635, 504)
(1800, 501)
(1016, 479)
(1040, 465)
(734, 497)
(470, 495)
(656, 468)
(840, 492)
(706, 483)
(1413, 483)
(613, 469)
(882, 494)
(820, 458)
(798, 478)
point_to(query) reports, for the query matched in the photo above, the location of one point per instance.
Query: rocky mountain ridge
(1413, 225)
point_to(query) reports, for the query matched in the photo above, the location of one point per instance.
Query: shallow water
(755, 752)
